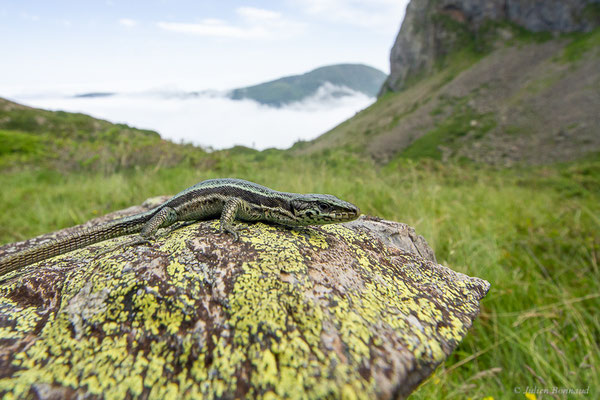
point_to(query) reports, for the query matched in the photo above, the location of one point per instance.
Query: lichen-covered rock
(334, 311)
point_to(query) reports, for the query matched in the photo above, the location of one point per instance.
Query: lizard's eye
(323, 207)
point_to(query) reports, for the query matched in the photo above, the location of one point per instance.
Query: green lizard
(229, 199)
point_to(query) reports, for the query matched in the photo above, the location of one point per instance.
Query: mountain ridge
(278, 92)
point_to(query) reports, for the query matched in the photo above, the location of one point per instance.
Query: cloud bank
(214, 121)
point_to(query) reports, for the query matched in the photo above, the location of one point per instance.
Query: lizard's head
(320, 209)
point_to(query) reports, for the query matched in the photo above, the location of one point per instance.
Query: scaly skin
(229, 199)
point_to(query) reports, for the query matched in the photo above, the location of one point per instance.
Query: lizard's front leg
(228, 215)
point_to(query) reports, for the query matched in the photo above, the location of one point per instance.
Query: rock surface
(433, 28)
(357, 310)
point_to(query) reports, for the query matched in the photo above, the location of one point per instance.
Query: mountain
(94, 94)
(342, 80)
(495, 82)
(432, 29)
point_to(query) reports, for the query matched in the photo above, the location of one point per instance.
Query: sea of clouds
(212, 120)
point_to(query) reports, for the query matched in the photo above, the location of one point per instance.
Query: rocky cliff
(433, 28)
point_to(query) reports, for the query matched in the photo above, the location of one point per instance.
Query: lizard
(228, 199)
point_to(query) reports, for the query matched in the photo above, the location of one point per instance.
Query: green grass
(533, 233)
(581, 44)
(461, 122)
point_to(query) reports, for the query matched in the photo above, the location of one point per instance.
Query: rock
(357, 310)
(433, 28)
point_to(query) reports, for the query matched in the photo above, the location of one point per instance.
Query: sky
(126, 46)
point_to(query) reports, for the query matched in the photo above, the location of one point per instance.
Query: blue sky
(112, 45)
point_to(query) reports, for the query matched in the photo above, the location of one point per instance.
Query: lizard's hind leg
(165, 217)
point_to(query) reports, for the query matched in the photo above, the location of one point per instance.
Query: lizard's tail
(73, 241)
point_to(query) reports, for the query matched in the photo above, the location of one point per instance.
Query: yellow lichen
(122, 331)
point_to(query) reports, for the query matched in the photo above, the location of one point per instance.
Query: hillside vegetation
(357, 77)
(72, 142)
(508, 97)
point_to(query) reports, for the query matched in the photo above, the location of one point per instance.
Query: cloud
(254, 13)
(254, 23)
(379, 15)
(127, 22)
(30, 17)
(254, 125)
(215, 28)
